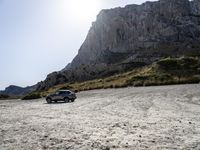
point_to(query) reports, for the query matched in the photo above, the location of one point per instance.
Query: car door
(60, 95)
(56, 96)
(69, 95)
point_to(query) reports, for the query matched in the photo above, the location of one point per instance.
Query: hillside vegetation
(164, 72)
(33, 95)
(3, 96)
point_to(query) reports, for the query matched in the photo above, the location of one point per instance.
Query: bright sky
(38, 37)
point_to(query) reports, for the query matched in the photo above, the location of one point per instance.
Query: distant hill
(14, 91)
(123, 39)
(3, 96)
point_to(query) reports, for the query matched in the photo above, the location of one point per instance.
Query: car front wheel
(48, 100)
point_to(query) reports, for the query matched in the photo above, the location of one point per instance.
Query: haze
(38, 37)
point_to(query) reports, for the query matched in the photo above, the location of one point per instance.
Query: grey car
(61, 95)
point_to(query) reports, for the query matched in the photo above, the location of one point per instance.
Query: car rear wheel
(48, 100)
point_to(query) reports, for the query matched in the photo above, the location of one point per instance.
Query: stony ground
(166, 117)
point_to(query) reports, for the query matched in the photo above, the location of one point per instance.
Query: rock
(172, 9)
(195, 7)
(67, 67)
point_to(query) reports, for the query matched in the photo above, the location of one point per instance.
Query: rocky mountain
(136, 35)
(13, 90)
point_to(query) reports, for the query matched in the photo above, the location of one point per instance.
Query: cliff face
(136, 28)
(133, 36)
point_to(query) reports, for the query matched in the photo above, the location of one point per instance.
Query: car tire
(66, 100)
(72, 100)
(48, 100)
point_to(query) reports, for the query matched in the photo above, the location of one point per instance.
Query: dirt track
(166, 117)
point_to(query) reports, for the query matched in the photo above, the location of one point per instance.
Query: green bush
(32, 96)
(163, 77)
(140, 77)
(138, 83)
(169, 64)
(189, 61)
(66, 87)
(184, 66)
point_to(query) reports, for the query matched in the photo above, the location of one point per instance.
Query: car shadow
(58, 103)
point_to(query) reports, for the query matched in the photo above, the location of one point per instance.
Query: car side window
(63, 92)
(67, 92)
(60, 92)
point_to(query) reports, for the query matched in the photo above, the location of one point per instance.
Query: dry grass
(156, 74)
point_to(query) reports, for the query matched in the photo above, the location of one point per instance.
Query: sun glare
(83, 9)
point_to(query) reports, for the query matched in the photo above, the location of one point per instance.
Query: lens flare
(83, 9)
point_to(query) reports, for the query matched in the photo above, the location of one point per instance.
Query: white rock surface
(166, 117)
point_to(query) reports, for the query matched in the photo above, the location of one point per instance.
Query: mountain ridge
(17, 91)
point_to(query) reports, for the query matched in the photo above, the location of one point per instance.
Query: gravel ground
(165, 117)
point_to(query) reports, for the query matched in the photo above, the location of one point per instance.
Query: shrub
(66, 87)
(169, 64)
(180, 67)
(3, 96)
(32, 96)
(138, 83)
(140, 77)
(119, 86)
(189, 61)
(76, 91)
(110, 86)
(163, 77)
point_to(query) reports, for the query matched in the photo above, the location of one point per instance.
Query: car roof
(63, 91)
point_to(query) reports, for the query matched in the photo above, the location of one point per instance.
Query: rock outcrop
(133, 36)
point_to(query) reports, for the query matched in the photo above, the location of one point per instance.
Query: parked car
(61, 95)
